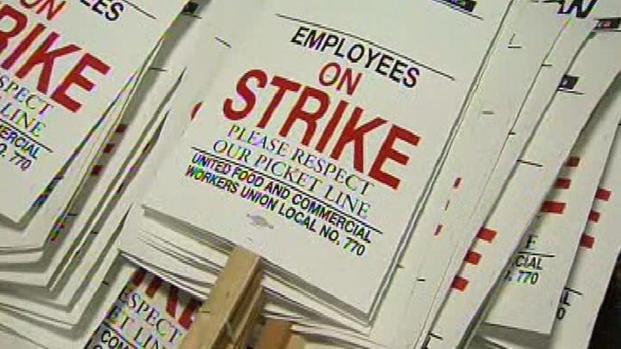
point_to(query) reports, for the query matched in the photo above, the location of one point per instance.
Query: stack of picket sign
(422, 174)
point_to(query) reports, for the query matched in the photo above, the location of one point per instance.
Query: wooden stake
(296, 342)
(226, 319)
(275, 335)
(249, 315)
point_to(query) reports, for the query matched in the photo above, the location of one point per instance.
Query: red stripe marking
(138, 277)
(553, 207)
(121, 128)
(573, 161)
(96, 171)
(603, 194)
(487, 234)
(109, 148)
(185, 320)
(459, 283)
(594, 216)
(562, 183)
(438, 230)
(473, 257)
(155, 284)
(195, 110)
(587, 241)
(173, 299)
(457, 183)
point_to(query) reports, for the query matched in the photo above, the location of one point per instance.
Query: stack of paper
(423, 174)
(70, 126)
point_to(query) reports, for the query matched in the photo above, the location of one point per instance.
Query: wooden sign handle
(276, 334)
(226, 319)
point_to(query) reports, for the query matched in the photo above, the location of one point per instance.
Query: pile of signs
(422, 174)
